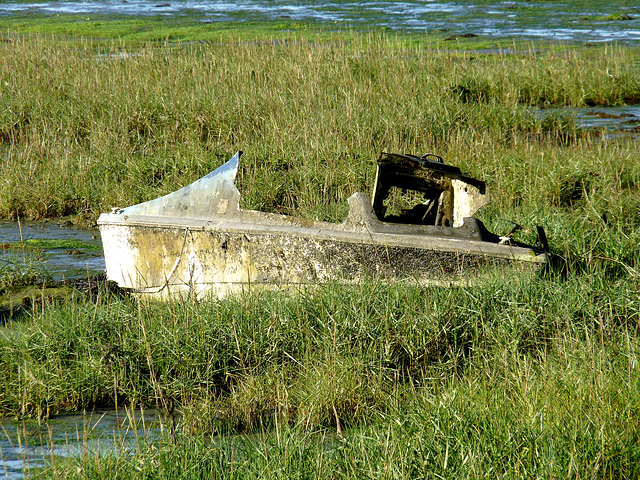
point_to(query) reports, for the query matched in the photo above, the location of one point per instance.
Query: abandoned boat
(197, 240)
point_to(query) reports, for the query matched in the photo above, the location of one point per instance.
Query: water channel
(607, 123)
(61, 251)
(28, 445)
(576, 20)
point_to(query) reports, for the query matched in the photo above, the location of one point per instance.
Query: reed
(334, 355)
(515, 377)
(510, 377)
(90, 126)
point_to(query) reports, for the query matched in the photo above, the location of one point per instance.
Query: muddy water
(65, 252)
(28, 445)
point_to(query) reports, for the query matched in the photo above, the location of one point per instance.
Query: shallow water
(31, 444)
(586, 21)
(621, 122)
(44, 244)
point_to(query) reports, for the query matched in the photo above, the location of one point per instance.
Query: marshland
(509, 377)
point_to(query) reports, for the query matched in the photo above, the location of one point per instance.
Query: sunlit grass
(511, 377)
(89, 127)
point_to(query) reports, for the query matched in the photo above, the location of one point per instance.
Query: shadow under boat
(418, 227)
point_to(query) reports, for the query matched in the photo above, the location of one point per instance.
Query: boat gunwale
(327, 231)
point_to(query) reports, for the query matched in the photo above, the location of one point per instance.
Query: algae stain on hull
(171, 261)
(214, 248)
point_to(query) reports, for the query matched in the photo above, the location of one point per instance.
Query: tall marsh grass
(334, 355)
(89, 127)
(512, 377)
(517, 377)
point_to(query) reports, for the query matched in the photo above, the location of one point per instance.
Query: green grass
(142, 29)
(20, 266)
(519, 377)
(33, 244)
(510, 378)
(449, 434)
(28, 270)
(194, 27)
(90, 127)
(51, 243)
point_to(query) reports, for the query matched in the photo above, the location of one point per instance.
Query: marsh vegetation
(510, 377)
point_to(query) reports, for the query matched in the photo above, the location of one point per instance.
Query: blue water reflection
(62, 263)
(593, 21)
(28, 445)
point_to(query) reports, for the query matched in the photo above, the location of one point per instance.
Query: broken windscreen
(424, 191)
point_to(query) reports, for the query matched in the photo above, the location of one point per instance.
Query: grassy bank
(89, 127)
(513, 377)
(243, 360)
(518, 377)
(143, 29)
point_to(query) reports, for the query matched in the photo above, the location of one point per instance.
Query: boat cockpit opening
(425, 191)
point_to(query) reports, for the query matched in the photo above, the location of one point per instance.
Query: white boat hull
(218, 249)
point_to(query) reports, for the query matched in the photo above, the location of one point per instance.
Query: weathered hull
(199, 259)
(198, 242)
